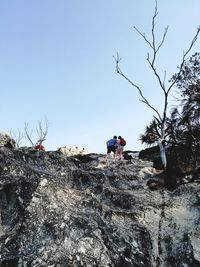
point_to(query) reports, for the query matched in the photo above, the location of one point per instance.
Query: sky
(56, 62)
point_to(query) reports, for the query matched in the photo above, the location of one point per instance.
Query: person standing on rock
(40, 147)
(120, 147)
(111, 146)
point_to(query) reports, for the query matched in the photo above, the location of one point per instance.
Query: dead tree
(17, 136)
(41, 133)
(160, 116)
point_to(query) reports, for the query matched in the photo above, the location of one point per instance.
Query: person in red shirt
(120, 147)
(40, 147)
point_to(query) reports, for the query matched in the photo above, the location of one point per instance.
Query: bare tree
(41, 132)
(160, 116)
(17, 136)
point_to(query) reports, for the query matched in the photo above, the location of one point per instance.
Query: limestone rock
(6, 140)
(60, 211)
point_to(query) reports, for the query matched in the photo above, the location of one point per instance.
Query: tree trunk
(163, 154)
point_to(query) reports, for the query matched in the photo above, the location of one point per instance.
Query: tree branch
(183, 59)
(144, 100)
(42, 131)
(17, 137)
(28, 134)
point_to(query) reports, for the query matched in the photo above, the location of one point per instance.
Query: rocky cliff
(60, 211)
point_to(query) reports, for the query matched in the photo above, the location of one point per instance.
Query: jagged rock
(128, 154)
(60, 211)
(6, 140)
(68, 151)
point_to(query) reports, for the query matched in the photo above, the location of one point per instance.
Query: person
(120, 147)
(40, 147)
(111, 146)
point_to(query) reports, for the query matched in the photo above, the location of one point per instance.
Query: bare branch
(28, 134)
(42, 131)
(183, 59)
(163, 39)
(144, 100)
(153, 28)
(153, 46)
(162, 85)
(144, 37)
(156, 126)
(17, 137)
(158, 121)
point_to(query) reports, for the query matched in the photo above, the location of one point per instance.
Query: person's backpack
(122, 142)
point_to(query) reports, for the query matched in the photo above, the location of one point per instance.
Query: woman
(120, 147)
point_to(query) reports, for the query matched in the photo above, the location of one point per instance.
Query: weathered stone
(63, 211)
(6, 140)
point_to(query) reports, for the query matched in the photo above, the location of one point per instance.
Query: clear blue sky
(56, 61)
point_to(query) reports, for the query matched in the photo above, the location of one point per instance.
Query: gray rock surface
(60, 211)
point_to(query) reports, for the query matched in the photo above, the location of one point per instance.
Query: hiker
(111, 146)
(40, 147)
(120, 147)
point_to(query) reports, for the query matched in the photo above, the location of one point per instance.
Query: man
(111, 146)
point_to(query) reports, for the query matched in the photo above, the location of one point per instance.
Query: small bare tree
(17, 136)
(160, 117)
(41, 130)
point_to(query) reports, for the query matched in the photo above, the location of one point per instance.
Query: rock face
(59, 211)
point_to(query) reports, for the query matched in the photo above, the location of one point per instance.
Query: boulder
(6, 140)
